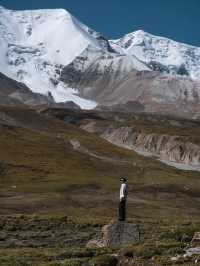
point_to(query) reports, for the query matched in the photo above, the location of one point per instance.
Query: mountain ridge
(170, 54)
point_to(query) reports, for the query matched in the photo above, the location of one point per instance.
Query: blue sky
(176, 19)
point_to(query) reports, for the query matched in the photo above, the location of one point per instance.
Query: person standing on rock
(123, 198)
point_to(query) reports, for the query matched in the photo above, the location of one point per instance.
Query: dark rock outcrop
(13, 93)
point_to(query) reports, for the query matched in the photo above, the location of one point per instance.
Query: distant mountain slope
(152, 91)
(160, 53)
(158, 93)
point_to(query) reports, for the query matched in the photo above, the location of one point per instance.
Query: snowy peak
(161, 53)
(51, 51)
(62, 36)
(35, 45)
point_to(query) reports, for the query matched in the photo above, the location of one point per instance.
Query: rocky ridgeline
(165, 147)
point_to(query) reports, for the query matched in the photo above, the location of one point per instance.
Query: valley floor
(59, 185)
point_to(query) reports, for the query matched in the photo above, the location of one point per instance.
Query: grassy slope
(40, 172)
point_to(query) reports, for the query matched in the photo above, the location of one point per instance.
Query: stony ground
(59, 240)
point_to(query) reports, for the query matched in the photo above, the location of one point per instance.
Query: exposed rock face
(165, 147)
(173, 141)
(117, 234)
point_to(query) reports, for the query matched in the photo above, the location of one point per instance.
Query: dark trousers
(122, 210)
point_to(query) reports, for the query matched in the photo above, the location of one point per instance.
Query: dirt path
(78, 147)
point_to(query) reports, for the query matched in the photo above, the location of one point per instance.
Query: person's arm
(122, 191)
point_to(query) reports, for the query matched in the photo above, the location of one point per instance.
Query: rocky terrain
(40, 240)
(170, 140)
(167, 148)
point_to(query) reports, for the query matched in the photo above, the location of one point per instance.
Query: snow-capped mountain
(51, 51)
(36, 45)
(160, 53)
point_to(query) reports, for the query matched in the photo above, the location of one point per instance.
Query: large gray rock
(196, 239)
(117, 234)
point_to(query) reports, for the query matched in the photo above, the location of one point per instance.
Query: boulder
(196, 239)
(117, 234)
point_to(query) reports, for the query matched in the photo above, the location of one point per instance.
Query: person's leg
(120, 211)
(120, 218)
(123, 210)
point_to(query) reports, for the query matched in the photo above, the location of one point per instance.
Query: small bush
(104, 260)
(145, 252)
